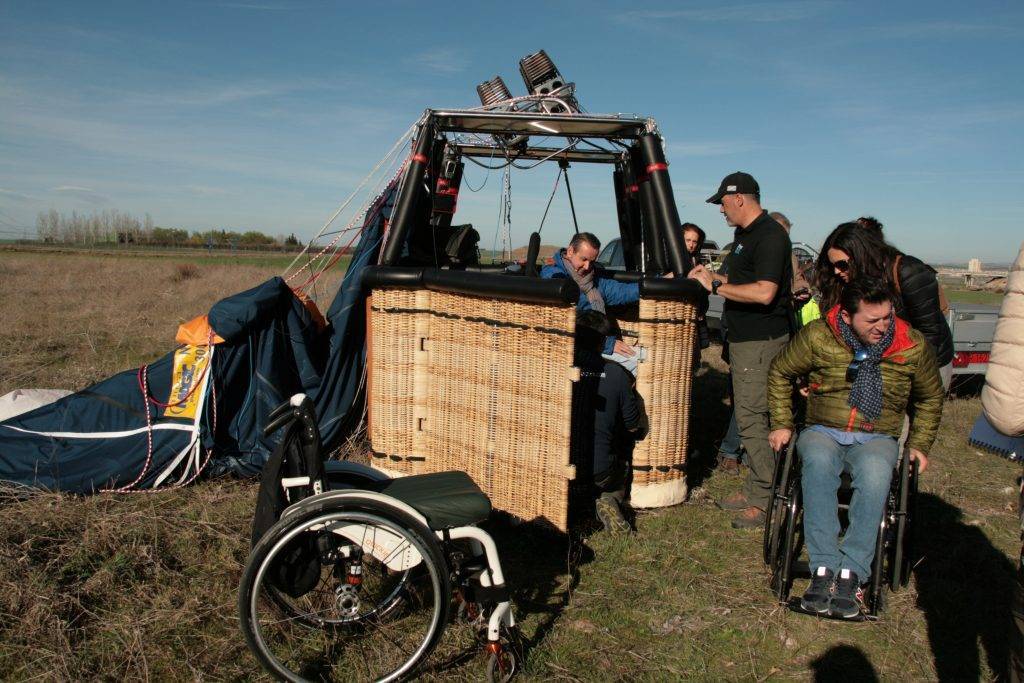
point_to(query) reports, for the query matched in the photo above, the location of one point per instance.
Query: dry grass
(185, 271)
(70, 320)
(143, 586)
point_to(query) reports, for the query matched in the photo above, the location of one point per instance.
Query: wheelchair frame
(783, 532)
(349, 530)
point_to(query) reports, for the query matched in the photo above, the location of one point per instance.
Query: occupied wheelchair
(352, 575)
(783, 531)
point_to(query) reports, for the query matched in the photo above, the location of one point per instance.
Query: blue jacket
(614, 293)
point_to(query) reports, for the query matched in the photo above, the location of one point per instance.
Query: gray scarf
(866, 392)
(587, 285)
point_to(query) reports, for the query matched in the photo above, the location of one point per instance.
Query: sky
(265, 114)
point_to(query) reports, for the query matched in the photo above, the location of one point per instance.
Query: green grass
(971, 296)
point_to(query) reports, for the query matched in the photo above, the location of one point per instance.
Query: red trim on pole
(633, 188)
(651, 168)
(420, 158)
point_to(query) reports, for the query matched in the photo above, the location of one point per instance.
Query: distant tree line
(113, 227)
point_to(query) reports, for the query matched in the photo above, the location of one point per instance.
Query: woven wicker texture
(393, 344)
(479, 385)
(667, 329)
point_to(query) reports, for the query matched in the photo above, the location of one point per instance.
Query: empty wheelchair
(783, 531)
(352, 576)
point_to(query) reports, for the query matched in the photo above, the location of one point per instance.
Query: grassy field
(973, 296)
(144, 586)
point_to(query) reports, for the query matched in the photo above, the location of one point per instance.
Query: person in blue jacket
(576, 262)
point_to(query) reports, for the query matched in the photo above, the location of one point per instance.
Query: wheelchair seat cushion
(446, 499)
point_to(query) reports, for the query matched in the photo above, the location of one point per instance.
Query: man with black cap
(758, 318)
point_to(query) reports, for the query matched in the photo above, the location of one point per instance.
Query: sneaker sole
(821, 609)
(843, 615)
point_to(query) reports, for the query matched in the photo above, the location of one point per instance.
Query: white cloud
(206, 191)
(15, 196)
(442, 60)
(84, 194)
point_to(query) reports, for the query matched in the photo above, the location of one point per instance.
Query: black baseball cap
(736, 183)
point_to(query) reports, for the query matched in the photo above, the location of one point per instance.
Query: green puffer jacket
(818, 352)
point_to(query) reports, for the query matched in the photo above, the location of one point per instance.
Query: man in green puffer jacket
(865, 369)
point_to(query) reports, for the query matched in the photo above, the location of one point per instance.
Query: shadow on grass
(709, 419)
(843, 663)
(964, 587)
(543, 569)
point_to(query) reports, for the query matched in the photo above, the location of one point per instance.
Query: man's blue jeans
(870, 465)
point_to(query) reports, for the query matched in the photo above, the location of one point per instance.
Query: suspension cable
(554, 189)
(568, 189)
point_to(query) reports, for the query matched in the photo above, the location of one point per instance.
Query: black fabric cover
(556, 292)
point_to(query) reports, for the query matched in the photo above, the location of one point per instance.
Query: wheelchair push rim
(377, 624)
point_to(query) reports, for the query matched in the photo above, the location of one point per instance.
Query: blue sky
(264, 114)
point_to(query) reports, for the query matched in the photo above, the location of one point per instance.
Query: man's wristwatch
(715, 284)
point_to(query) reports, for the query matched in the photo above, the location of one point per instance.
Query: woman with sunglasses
(858, 250)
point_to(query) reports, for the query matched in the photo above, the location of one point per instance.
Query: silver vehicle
(611, 258)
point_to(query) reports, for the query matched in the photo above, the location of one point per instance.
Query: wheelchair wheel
(879, 570)
(790, 545)
(372, 602)
(906, 537)
(775, 515)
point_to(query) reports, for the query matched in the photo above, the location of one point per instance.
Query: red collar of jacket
(901, 340)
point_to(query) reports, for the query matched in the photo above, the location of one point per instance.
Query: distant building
(974, 266)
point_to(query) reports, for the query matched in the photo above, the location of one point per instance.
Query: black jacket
(919, 305)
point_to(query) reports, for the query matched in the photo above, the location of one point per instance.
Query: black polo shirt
(761, 251)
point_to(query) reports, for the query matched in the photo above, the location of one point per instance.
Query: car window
(611, 255)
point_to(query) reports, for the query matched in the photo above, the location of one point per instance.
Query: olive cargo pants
(749, 362)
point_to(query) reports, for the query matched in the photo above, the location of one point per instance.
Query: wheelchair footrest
(794, 605)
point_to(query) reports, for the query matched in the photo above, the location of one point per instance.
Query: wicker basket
(478, 385)
(668, 331)
(460, 382)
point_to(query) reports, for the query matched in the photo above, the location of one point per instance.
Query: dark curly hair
(872, 223)
(870, 257)
(865, 290)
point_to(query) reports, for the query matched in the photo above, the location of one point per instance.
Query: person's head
(693, 238)
(739, 199)
(850, 253)
(781, 219)
(592, 328)
(871, 223)
(866, 306)
(582, 252)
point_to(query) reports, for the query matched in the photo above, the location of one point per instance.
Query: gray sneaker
(848, 598)
(609, 513)
(818, 595)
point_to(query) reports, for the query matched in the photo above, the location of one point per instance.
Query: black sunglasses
(854, 367)
(842, 265)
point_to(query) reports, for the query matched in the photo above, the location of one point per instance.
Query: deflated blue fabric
(97, 438)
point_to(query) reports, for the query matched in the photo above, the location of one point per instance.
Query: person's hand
(701, 275)
(805, 391)
(669, 275)
(779, 438)
(921, 458)
(623, 348)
